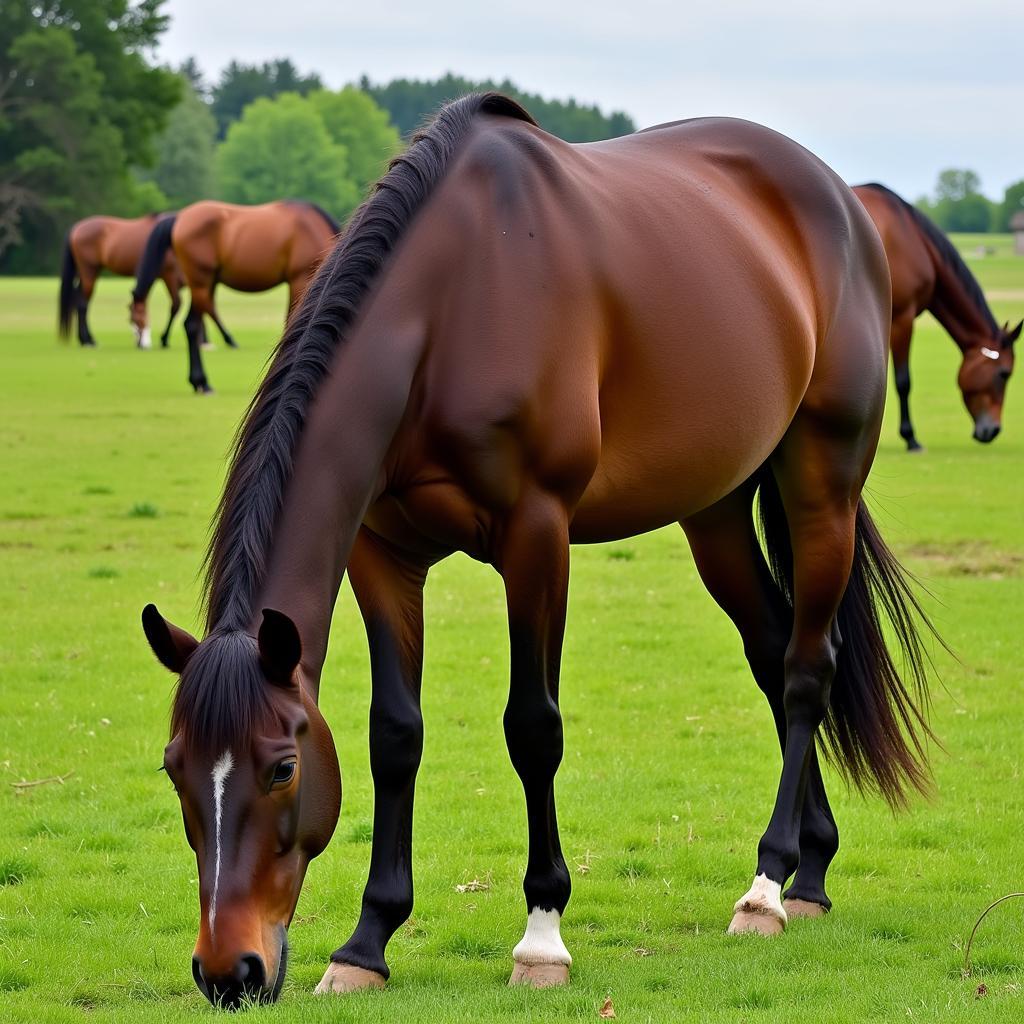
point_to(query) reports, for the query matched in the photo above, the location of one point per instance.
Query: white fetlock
(760, 910)
(541, 959)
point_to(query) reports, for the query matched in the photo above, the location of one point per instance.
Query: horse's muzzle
(986, 430)
(246, 984)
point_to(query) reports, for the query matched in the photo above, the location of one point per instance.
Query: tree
(355, 121)
(185, 152)
(1013, 202)
(280, 149)
(958, 204)
(410, 101)
(79, 106)
(241, 84)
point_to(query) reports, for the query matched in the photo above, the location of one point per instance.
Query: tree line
(89, 123)
(958, 204)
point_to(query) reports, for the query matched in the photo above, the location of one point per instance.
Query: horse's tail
(69, 288)
(151, 262)
(876, 730)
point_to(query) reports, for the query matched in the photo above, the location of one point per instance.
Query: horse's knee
(533, 732)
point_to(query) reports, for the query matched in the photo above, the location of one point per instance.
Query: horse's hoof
(914, 446)
(202, 389)
(759, 910)
(803, 908)
(343, 978)
(746, 922)
(539, 975)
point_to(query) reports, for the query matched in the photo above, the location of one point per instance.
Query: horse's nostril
(199, 977)
(250, 972)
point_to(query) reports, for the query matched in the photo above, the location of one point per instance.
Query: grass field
(110, 468)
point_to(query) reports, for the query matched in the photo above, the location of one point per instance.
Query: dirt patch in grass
(968, 558)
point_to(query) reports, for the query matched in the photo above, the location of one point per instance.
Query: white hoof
(760, 911)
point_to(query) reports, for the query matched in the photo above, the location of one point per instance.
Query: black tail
(152, 260)
(876, 730)
(69, 288)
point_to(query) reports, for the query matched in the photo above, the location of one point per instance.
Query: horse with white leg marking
(516, 345)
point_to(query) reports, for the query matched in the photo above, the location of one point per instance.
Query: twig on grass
(977, 924)
(42, 782)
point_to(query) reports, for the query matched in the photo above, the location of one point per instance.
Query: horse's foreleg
(733, 568)
(902, 329)
(174, 291)
(534, 562)
(389, 589)
(194, 331)
(820, 477)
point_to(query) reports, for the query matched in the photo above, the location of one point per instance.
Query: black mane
(261, 465)
(947, 253)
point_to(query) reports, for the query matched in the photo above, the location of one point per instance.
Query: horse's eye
(284, 773)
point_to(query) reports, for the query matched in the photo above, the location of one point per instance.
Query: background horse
(114, 244)
(249, 248)
(928, 273)
(517, 345)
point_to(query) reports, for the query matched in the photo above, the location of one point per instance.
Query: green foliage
(241, 84)
(280, 149)
(80, 106)
(355, 121)
(185, 152)
(1013, 202)
(410, 101)
(958, 204)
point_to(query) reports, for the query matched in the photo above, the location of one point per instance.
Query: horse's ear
(1009, 337)
(171, 645)
(280, 646)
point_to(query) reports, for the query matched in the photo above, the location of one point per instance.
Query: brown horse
(115, 244)
(928, 273)
(249, 248)
(520, 344)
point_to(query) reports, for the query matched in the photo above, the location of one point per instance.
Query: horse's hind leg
(215, 317)
(389, 589)
(199, 305)
(733, 568)
(902, 330)
(534, 563)
(820, 468)
(87, 284)
(174, 291)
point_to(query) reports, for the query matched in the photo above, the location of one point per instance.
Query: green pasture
(109, 471)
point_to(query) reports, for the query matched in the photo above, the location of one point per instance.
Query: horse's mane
(264, 448)
(324, 215)
(946, 250)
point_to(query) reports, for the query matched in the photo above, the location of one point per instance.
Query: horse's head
(139, 319)
(982, 379)
(255, 769)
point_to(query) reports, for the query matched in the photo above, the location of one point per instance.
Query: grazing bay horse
(928, 273)
(248, 248)
(114, 244)
(520, 344)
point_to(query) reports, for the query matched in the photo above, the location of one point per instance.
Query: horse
(928, 273)
(520, 344)
(249, 248)
(114, 244)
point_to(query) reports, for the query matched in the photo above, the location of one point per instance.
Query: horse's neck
(956, 310)
(336, 475)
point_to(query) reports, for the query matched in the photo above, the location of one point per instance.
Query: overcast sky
(888, 91)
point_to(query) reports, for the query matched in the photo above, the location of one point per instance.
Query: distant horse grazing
(248, 248)
(519, 344)
(928, 273)
(114, 244)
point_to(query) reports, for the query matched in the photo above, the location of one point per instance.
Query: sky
(883, 91)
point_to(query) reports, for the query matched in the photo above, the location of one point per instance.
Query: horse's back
(674, 288)
(111, 243)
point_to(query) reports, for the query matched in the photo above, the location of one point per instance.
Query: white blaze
(989, 353)
(221, 770)
(542, 943)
